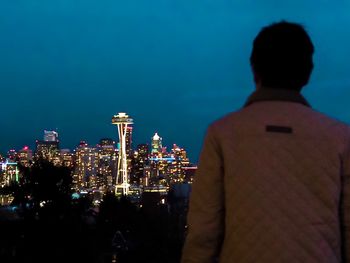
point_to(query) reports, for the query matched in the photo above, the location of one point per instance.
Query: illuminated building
(91, 181)
(102, 183)
(128, 141)
(6, 200)
(122, 120)
(86, 164)
(147, 175)
(140, 160)
(160, 169)
(180, 161)
(159, 162)
(180, 154)
(12, 155)
(48, 150)
(156, 143)
(129, 151)
(107, 142)
(25, 156)
(143, 151)
(189, 172)
(107, 164)
(168, 168)
(67, 158)
(9, 172)
(50, 136)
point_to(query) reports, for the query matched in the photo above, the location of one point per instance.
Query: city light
(113, 163)
(149, 178)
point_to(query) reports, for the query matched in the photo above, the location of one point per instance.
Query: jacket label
(280, 129)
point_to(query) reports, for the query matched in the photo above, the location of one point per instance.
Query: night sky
(173, 65)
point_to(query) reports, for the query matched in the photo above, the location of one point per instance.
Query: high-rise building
(48, 150)
(107, 142)
(123, 122)
(189, 172)
(86, 165)
(128, 141)
(156, 143)
(140, 160)
(178, 165)
(12, 155)
(49, 147)
(180, 154)
(67, 158)
(25, 156)
(9, 172)
(107, 164)
(143, 152)
(50, 136)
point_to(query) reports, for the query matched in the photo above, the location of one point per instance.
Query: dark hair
(282, 56)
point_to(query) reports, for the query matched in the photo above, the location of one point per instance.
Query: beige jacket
(273, 185)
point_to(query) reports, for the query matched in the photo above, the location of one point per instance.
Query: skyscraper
(107, 163)
(48, 150)
(9, 173)
(143, 152)
(25, 156)
(179, 164)
(50, 136)
(128, 141)
(140, 160)
(156, 143)
(122, 120)
(67, 158)
(86, 164)
(49, 147)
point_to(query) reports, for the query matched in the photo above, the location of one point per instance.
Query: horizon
(32, 146)
(174, 67)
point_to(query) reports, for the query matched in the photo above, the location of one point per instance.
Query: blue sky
(173, 65)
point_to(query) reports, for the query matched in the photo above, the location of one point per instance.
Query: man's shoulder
(309, 116)
(327, 121)
(226, 120)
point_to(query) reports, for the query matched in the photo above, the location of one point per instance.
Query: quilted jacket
(273, 185)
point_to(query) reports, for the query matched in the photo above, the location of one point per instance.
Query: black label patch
(280, 129)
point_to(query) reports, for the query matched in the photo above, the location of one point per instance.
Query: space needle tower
(122, 120)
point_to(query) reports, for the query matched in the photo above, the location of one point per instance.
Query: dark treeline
(53, 227)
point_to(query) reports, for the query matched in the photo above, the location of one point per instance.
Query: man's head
(282, 56)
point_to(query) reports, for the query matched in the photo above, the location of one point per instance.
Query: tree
(43, 185)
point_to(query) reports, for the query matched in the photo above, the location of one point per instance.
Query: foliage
(43, 184)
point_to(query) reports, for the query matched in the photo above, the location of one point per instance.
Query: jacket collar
(271, 94)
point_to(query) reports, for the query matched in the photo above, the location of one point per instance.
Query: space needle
(122, 120)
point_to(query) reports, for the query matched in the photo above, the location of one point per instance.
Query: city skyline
(174, 66)
(31, 146)
(111, 165)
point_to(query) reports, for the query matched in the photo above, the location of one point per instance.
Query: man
(273, 178)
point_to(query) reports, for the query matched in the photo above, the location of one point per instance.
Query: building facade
(86, 166)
